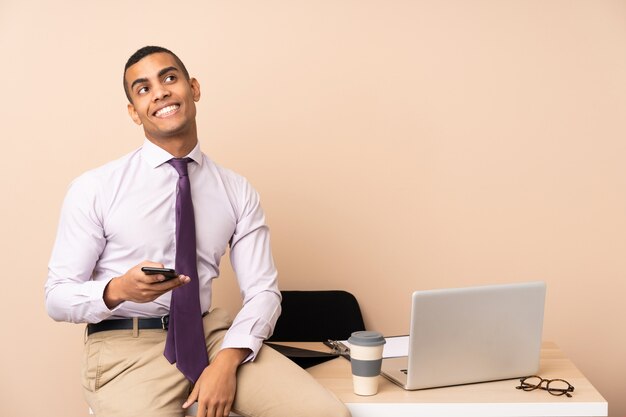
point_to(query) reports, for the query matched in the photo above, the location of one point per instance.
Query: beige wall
(397, 145)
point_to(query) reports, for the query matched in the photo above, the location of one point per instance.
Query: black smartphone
(168, 273)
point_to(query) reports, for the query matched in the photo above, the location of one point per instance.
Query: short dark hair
(140, 54)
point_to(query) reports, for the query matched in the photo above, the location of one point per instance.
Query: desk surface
(491, 399)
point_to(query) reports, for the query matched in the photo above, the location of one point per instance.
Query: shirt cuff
(243, 341)
(99, 310)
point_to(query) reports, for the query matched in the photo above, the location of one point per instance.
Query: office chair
(316, 316)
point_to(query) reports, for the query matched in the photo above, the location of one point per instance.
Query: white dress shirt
(123, 213)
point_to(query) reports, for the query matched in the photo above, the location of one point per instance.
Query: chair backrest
(316, 316)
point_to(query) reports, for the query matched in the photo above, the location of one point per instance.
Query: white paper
(396, 346)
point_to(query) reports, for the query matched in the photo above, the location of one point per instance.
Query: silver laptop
(468, 335)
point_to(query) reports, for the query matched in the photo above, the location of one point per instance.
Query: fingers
(170, 284)
(208, 410)
(226, 411)
(153, 290)
(211, 407)
(141, 276)
(153, 278)
(140, 287)
(193, 397)
(212, 410)
(219, 408)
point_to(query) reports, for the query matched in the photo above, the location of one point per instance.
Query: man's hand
(216, 387)
(136, 286)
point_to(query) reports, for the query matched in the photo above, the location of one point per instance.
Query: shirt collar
(156, 156)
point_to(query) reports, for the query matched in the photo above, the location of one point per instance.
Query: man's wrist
(233, 356)
(111, 294)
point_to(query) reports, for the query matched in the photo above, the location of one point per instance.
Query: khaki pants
(126, 375)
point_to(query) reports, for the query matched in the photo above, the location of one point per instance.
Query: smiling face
(163, 99)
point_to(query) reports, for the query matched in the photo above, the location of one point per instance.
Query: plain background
(397, 145)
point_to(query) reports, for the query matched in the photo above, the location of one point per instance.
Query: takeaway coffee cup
(366, 356)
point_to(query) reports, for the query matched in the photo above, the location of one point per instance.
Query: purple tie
(185, 343)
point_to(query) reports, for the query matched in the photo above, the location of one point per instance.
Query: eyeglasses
(556, 387)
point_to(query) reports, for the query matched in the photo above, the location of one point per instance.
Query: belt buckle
(165, 321)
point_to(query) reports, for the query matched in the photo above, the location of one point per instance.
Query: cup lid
(366, 338)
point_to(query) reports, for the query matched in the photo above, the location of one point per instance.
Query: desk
(492, 399)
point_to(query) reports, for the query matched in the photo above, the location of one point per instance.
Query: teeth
(166, 110)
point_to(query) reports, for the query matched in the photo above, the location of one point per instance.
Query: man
(140, 211)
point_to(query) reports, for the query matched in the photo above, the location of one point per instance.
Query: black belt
(127, 324)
